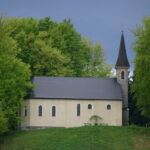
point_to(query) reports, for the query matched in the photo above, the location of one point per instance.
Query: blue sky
(99, 20)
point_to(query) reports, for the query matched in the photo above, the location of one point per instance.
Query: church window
(53, 111)
(25, 111)
(122, 75)
(108, 107)
(78, 109)
(89, 106)
(40, 110)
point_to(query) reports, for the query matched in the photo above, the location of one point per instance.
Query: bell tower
(122, 66)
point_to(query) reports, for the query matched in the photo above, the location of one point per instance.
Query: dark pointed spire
(122, 60)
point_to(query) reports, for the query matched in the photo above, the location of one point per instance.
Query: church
(71, 101)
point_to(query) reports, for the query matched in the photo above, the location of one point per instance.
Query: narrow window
(78, 109)
(89, 106)
(25, 111)
(40, 110)
(122, 75)
(108, 107)
(53, 111)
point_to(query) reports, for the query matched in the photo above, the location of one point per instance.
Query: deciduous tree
(141, 85)
(14, 78)
(96, 66)
(57, 49)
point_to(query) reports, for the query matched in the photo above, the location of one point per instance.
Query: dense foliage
(14, 79)
(136, 117)
(141, 85)
(57, 49)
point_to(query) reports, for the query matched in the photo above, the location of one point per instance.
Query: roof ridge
(73, 77)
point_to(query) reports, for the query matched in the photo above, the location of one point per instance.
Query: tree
(74, 47)
(37, 47)
(96, 66)
(48, 61)
(14, 78)
(56, 49)
(3, 122)
(141, 85)
(136, 117)
(96, 119)
(14, 81)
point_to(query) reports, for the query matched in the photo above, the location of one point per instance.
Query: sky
(99, 20)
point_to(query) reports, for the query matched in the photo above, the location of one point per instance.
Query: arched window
(40, 110)
(25, 111)
(78, 109)
(108, 107)
(53, 111)
(122, 75)
(89, 106)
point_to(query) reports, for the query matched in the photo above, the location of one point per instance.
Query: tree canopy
(141, 84)
(136, 118)
(14, 79)
(57, 49)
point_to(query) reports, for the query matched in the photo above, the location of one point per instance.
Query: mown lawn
(81, 138)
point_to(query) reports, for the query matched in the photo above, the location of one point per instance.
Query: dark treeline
(135, 113)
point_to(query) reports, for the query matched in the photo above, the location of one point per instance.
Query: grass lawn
(80, 138)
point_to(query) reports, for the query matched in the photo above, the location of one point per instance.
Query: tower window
(89, 106)
(122, 75)
(108, 107)
(40, 110)
(53, 111)
(78, 109)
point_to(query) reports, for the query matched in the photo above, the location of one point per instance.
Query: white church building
(71, 101)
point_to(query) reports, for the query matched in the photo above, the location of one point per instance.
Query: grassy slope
(82, 138)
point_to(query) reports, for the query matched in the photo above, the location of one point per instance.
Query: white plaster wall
(110, 117)
(25, 119)
(66, 112)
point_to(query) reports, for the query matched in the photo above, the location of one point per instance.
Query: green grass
(81, 138)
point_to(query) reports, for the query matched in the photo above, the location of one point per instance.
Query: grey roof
(76, 88)
(122, 60)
